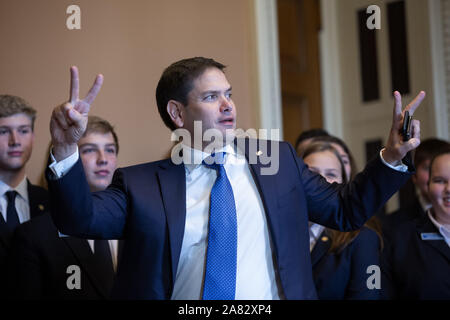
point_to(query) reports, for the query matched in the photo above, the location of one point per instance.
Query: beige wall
(130, 42)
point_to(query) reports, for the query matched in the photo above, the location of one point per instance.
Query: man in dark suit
(214, 225)
(19, 199)
(50, 265)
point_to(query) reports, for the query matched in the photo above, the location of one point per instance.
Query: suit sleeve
(347, 207)
(78, 212)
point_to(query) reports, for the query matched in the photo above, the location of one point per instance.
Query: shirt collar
(22, 188)
(443, 230)
(193, 158)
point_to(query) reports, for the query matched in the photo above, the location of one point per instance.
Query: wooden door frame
(267, 62)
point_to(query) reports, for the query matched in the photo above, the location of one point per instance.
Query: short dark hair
(177, 81)
(11, 105)
(444, 150)
(100, 125)
(308, 134)
(427, 149)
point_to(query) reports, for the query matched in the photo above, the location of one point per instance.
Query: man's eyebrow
(88, 145)
(216, 91)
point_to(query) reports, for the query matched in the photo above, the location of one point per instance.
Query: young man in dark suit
(50, 265)
(20, 201)
(218, 227)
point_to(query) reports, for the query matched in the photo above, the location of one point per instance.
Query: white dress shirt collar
(444, 230)
(193, 158)
(21, 189)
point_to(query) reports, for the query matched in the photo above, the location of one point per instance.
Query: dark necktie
(12, 219)
(221, 255)
(103, 258)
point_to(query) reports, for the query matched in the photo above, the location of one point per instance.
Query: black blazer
(41, 257)
(38, 198)
(413, 268)
(392, 221)
(344, 275)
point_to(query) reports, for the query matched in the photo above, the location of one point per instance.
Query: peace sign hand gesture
(69, 120)
(396, 148)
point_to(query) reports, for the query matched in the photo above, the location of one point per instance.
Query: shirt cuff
(399, 166)
(62, 167)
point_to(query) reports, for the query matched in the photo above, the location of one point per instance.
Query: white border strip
(438, 70)
(330, 69)
(268, 65)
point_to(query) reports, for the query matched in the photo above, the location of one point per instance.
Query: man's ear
(175, 110)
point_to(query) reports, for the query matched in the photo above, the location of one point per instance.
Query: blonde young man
(19, 199)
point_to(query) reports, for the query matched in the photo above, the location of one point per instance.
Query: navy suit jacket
(343, 275)
(413, 268)
(38, 200)
(40, 258)
(146, 204)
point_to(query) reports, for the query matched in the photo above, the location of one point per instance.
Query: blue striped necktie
(221, 256)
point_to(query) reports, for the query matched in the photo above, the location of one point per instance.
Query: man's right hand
(69, 120)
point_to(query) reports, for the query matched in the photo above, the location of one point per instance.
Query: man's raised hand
(69, 120)
(396, 148)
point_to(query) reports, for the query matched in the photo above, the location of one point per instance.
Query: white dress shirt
(255, 274)
(21, 202)
(444, 230)
(315, 231)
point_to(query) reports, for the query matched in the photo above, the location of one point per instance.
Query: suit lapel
(83, 253)
(440, 245)
(320, 248)
(172, 180)
(37, 200)
(266, 184)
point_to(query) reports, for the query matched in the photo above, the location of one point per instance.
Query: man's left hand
(396, 148)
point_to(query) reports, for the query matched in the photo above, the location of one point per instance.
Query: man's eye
(3, 132)
(24, 131)
(111, 150)
(210, 97)
(88, 150)
(228, 95)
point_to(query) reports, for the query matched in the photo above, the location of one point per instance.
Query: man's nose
(226, 104)
(13, 139)
(101, 159)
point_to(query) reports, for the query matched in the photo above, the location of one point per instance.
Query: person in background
(416, 263)
(421, 201)
(43, 256)
(20, 200)
(307, 136)
(340, 259)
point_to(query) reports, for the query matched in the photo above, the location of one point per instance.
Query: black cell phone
(406, 129)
